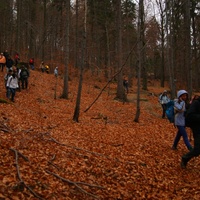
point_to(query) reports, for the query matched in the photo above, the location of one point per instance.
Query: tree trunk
(78, 99)
(120, 90)
(66, 76)
(188, 46)
(140, 56)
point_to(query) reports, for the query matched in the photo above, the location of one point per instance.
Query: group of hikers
(184, 111)
(17, 74)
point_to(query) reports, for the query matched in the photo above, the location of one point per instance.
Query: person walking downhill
(2, 61)
(9, 63)
(24, 74)
(164, 99)
(31, 63)
(56, 72)
(179, 121)
(12, 85)
(6, 77)
(193, 116)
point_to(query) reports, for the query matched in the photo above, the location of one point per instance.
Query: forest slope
(42, 146)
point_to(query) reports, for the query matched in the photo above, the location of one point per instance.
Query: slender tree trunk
(188, 46)
(19, 7)
(78, 99)
(120, 90)
(44, 31)
(143, 56)
(76, 29)
(170, 45)
(66, 76)
(140, 57)
(162, 34)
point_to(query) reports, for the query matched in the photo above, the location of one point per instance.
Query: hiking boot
(190, 148)
(183, 163)
(174, 148)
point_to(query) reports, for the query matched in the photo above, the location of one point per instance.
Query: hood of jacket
(181, 92)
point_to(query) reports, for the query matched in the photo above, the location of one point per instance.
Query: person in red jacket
(31, 63)
(17, 59)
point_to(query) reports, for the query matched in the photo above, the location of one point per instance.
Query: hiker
(17, 59)
(47, 69)
(6, 79)
(12, 85)
(24, 74)
(193, 115)
(9, 63)
(6, 54)
(179, 120)
(42, 67)
(56, 72)
(125, 84)
(31, 63)
(164, 99)
(2, 61)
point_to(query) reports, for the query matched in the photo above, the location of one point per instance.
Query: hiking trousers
(196, 150)
(182, 133)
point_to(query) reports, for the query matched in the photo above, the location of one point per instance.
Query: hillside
(44, 154)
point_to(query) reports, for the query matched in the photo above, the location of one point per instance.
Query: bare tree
(66, 75)
(162, 35)
(120, 90)
(78, 99)
(140, 52)
(188, 45)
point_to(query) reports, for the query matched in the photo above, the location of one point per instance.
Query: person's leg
(163, 110)
(8, 92)
(176, 140)
(12, 94)
(1, 66)
(194, 152)
(22, 80)
(185, 137)
(26, 83)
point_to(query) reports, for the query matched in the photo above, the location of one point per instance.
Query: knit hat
(181, 92)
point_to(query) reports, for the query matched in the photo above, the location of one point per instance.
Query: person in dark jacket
(193, 116)
(24, 74)
(9, 63)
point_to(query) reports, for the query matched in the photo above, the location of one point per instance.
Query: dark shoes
(190, 148)
(174, 148)
(183, 163)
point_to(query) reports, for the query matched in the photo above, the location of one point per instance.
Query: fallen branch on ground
(22, 183)
(76, 184)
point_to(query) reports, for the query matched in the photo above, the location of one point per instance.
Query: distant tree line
(47, 30)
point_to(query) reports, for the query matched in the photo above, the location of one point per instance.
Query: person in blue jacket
(179, 120)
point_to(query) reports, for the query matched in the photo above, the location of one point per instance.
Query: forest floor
(44, 154)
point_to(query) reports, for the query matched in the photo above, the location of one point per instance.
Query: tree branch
(76, 184)
(110, 79)
(22, 183)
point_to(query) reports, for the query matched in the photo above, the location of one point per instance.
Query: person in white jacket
(179, 121)
(12, 85)
(164, 99)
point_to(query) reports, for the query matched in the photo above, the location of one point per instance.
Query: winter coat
(193, 114)
(12, 82)
(2, 59)
(179, 110)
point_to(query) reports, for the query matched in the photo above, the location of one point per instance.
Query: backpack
(170, 111)
(24, 73)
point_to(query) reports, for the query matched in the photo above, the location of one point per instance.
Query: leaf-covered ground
(44, 154)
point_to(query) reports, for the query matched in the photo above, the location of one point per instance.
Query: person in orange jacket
(2, 61)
